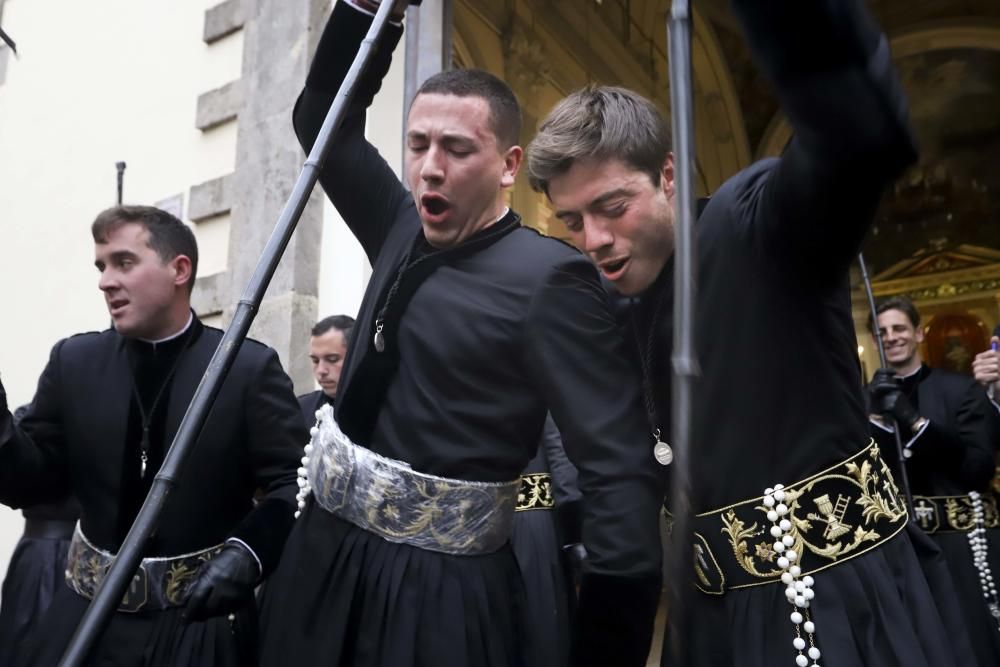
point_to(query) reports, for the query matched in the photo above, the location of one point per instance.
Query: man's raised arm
(357, 179)
(833, 74)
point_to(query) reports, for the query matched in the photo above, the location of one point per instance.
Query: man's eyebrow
(599, 200)
(117, 255)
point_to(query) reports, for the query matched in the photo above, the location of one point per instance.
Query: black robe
(310, 403)
(955, 453)
(481, 341)
(537, 539)
(779, 397)
(82, 436)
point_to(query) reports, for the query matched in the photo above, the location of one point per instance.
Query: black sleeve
(965, 449)
(833, 75)
(579, 359)
(357, 179)
(277, 438)
(565, 489)
(564, 483)
(33, 466)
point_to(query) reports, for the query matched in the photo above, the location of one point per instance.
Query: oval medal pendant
(379, 341)
(663, 454)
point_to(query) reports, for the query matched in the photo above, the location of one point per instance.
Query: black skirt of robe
(143, 639)
(881, 609)
(548, 598)
(345, 597)
(36, 571)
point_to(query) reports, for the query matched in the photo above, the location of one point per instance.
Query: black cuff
(265, 530)
(339, 45)
(614, 620)
(569, 522)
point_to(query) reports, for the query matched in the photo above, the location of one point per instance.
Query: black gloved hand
(889, 400)
(576, 556)
(225, 584)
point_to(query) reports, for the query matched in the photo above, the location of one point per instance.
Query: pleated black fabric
(875, 610)
(34, 575)
(344, 597)
(150, 639)
(549, 603)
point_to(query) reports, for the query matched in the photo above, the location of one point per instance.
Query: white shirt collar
(174, 335)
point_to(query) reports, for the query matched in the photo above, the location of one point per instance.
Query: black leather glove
(889, 400)
(576, 556)
(225, 584)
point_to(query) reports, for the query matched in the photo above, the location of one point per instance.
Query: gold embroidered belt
(834, 515)
(160, 583)
(389, 498)
(535, 493)
(949, 514)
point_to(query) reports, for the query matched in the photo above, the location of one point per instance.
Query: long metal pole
(685, 362)
(126, 563)
(904, 479)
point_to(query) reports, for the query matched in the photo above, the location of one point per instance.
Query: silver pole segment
(685, 363)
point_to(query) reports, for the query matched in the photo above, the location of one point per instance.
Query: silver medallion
(379, 338)
(663, 454)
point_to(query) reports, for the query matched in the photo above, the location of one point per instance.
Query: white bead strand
(798, 589)
(303, 477)
(980, 557)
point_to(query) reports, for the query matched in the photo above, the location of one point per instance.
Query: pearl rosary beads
(980, 550)
(798, 588)
(303, 480)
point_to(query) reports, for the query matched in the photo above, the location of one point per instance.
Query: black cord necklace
(662, 452)
(405, 265)
(147, 417)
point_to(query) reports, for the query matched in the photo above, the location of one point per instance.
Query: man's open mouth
(434, 204)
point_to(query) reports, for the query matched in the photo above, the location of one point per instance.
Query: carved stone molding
(526, 62)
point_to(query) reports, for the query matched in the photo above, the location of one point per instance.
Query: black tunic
(780, 394)
(82, 435)
(955, 453)
(481, 340)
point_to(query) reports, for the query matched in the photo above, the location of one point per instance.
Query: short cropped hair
(342, 323)
(505, 112)
(602, 123)
(168, 236)
(900, 303)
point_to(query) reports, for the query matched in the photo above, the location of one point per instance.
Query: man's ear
(667, 176)
(512, 159)
(182, 269)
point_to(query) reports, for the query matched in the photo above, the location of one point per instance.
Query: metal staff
(126, 562)
(904, 479)
(685, 362)
(120, 166)
(8, 41)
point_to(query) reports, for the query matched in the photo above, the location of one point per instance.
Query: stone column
(279, 40)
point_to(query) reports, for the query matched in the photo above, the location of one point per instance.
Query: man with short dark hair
(328, 343)
(107, 407)
(788, 562)
(471, 329)
(949, 434)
